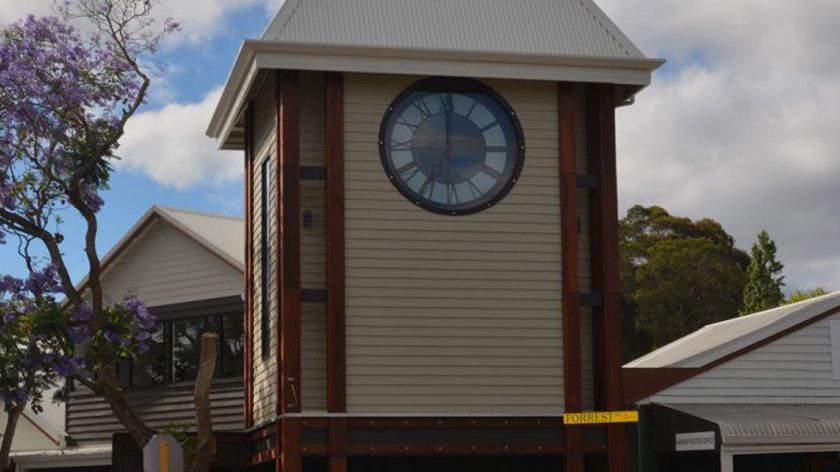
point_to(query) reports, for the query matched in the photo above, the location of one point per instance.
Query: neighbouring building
(758, 392)
(431, 261)
(188, 268)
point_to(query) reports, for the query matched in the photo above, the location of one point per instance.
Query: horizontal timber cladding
(164, 266)
(264, 369)
(452, 314)
(90, 420)
(313, 358)
(313, 244)
(796, 368)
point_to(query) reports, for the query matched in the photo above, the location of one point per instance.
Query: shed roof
(556, 27)
(770, 424)
(718, 340)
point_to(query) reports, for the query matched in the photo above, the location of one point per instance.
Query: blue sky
(739, 126)
(188, 71)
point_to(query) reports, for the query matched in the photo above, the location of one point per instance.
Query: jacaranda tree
(65, 98)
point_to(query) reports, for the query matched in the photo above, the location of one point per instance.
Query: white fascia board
(259, 54)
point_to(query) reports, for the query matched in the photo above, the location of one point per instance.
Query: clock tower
(432, 247)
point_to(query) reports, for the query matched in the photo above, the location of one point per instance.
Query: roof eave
(265, 54)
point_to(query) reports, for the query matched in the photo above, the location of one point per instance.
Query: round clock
(451, 146)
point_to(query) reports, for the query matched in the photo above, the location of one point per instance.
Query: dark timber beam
(288, 269)
(336, 370)
(571, 301)
(605, 262)
(249, 265)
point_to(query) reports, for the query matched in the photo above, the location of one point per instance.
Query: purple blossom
(81, 314)
(112, 336)
(78, 334)
(69, 366)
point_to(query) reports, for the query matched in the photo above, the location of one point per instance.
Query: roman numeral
(422, 107)
(408, 171)
(401, 121)
(491, 172)
(491, 125)
(446, 102)
(401, 146)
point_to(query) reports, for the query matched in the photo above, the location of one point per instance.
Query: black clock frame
(459, 86)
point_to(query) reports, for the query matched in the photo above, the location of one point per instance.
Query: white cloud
(11, 11)
(169, 146)
(742, 126)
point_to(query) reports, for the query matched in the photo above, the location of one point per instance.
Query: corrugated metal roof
(555, 27)
(769, 424)
(717, 340)
(224, 235)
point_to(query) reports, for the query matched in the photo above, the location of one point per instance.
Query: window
(174, 350)
(266, 209)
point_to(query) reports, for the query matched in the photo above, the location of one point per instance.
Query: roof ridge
(611, 29)
(197, 212)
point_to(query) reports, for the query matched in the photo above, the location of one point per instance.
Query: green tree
(764, 280)
(800, 295)
(677, 275)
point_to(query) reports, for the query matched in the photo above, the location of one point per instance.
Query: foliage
(764, 280)
(65, 98)
(677, 276)
(34, 352)
(189, 442)
(801, 295)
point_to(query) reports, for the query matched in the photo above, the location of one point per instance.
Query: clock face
(452, 146)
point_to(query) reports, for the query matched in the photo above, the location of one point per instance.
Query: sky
(741, 125)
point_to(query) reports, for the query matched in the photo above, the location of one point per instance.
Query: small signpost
(601, 417)
(702, 441)
(163, 454)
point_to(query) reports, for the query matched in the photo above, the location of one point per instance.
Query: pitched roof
(223, 236)
(763, 424)
(553, 40)
(719, 340)
(555, 27)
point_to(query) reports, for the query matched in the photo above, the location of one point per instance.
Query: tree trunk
(135, 426)
(12, 417)
(206, 442)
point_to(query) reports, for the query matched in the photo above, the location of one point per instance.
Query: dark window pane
(186, 346)
(150, 368)
(234, 343)
(124, 373)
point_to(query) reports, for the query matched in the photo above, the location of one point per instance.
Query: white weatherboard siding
(795, 369)
(452, 315)
(313, 240)
(264, 370)
(164, 267)
(313, 245)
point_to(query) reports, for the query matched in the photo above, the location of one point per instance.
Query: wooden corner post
(288, 269)
(336, 361)
(248, 318)
(605, 261)
(571, 304)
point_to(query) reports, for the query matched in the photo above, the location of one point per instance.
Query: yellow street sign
(601, 417)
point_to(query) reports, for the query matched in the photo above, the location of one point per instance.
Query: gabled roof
(556, 27)
(553, 40)
(223, 236)
(718, 343)
(719, 340)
